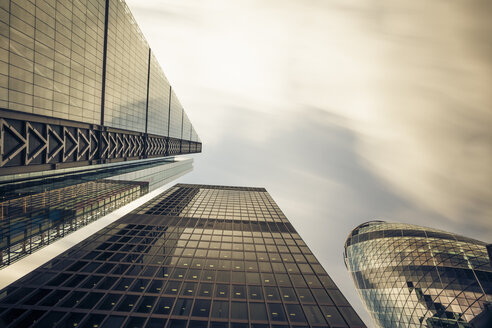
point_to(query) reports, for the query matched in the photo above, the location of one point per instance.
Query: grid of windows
(410, 276)
(126, 70)
(159, 91)
(175, 271)
(206, 202)
(159, 175)
(51, 58)
(186, 135)
(51, 63)
(32, 221)
(176, 117)
(35, 213)
(194, 135)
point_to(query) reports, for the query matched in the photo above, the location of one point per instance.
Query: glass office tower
(82, 99)
(80, 86)
(411, 276)
(36, 212)
(195, 256)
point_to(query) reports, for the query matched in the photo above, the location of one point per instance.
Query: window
(220, 309)
(238, 292)
(271, 294)
(146, 303)
(276, 312)
(222, 290)
(239, 310)
(183, 306)
(201, 308)
(164, 305)
(128, 303)
(313, 314)
(295, 313)
(258, 311)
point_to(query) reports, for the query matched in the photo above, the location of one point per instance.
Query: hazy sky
(345, 110)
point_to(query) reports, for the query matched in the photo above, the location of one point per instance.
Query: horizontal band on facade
(31, 143)
(216, 224)
(415, 274)
(358, 238)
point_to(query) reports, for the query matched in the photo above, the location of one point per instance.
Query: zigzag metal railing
(30, 143)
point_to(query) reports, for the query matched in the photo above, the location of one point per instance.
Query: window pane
(222, 290)
(128, 303)
(351, 317)
(109, 301)
(90, 300)
(135, 322)
(155, 286)
(189, 288)
(206, 290)
(239, 310)
(220, 309)
(94, 320)
(198, 324)
(276, 312)
(332, 316)
(313, 314)
(337, 297)
(258, 311)
(50, 319)
(172, 287)
(113, 321)
(271, 293)
(238, 291)
(295, 313)
(146, 304)
(201, 308)
(321, 296)
(155, 323)
(255, 292)
(164, 306)
(183, 306)
(139, 285)
(305, 295)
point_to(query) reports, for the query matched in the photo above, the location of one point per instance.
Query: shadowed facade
(195, 256)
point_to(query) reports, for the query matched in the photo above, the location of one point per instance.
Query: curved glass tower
(411, 276)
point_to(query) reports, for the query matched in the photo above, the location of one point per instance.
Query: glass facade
(71, 70)
(159, 93)
(51, 55)
(38, 211)
(411, 276)
(176, 117)
(127, 63)
(195, 256)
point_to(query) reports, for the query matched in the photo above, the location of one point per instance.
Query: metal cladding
(411, 276)
(79, 86)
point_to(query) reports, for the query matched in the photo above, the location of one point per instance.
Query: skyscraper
(195, 256)
(79, 86)
(411, 276)
(38, 211)
(82, 98)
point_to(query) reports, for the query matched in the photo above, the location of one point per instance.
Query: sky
(344, 110)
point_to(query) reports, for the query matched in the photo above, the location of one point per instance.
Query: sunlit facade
(80, 86)
(195, 256)
(88, 120)
(411, 276)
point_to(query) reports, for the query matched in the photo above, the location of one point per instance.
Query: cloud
(413, 88)
(345, 110)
